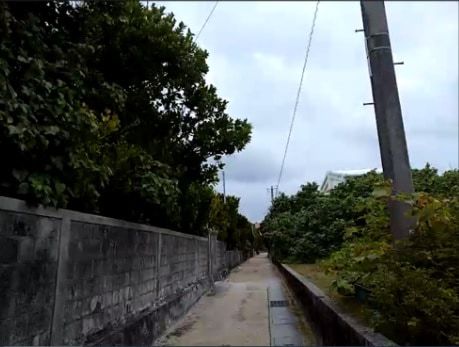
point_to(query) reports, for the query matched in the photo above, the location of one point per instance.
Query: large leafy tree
(232, 227)
(105, 108)
(52, 142)
(174, 114)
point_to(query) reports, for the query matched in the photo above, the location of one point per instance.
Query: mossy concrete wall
(69, 278)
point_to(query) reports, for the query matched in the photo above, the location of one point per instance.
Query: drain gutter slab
(283, 324)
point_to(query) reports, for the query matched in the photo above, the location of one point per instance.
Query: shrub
(414, 283)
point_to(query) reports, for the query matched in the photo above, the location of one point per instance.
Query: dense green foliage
(104, 108)
(413, 285)
(232, 227)
(310, 225)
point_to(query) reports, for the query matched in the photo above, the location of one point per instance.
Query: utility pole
(391, 133)
(272, 189)
(224, 187)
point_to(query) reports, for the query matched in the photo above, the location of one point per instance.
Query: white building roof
(333, 178)
(354, 172)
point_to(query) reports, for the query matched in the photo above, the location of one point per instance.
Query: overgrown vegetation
(104, 108)
(412, 285)
(310, 225)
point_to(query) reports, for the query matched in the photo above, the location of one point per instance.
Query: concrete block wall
(109, 278)
(202, 251)
(69, 278)
(224, 260)
(234, 258)
(221, 256)
(28, 265)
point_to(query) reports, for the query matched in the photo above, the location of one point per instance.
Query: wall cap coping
(16, 205)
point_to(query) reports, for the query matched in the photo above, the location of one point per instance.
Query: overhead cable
(205, 22)
(311, 33)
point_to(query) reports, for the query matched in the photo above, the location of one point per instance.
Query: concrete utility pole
(391, 133)
(224, 187)
(272, 194)
(210, 260)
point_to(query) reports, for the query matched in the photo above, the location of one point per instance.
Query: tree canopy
(104, 108)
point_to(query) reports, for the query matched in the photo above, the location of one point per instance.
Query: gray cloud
(256, 51)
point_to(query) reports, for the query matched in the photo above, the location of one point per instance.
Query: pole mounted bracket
(399, 63)
(359, 30)
(368, 103)
(378, 41)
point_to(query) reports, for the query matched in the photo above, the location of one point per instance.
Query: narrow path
(240, 314)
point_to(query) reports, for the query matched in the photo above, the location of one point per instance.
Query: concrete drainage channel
(332, 326)
(283, 324)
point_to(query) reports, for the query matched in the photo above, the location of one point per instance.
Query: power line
(298, 94)
(205, 22)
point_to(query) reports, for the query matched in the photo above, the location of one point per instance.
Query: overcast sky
(256, 52)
